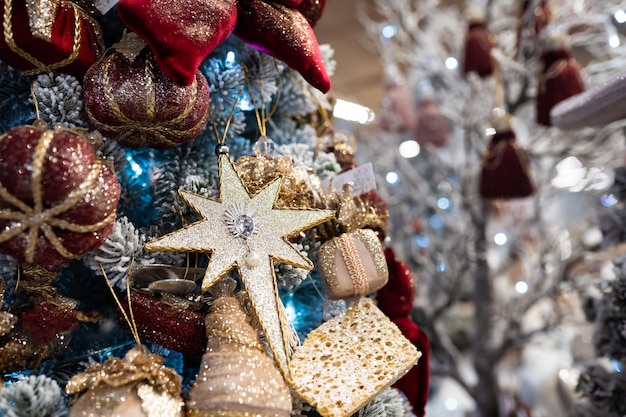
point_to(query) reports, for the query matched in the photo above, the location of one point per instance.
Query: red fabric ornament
(44, 321)
(505, 172)
(397, 108)
(430, 126)
(181, 33)
(286, 35)
(133, 102)
(57, 199)
(479, 42)
(560, 78)
(71, 45)
(396, 300)
(168, 326)
(312, 10)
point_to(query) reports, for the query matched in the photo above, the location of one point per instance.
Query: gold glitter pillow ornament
(351, 260)
(353, 264)
(136, 386)
(347, 361)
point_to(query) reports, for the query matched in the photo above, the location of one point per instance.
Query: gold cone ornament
(136, 386)
(237, 377)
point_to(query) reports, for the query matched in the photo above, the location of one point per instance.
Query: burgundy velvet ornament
(560, 77)
(286, 35)
(430, 125)
(181, 33)
(396, 300)
(168, 326)
(130, 100)
(479, 42)
(45, 320)
(312, 10)
(397, 109)
(60, 37)
(57, 199)
(505, 171)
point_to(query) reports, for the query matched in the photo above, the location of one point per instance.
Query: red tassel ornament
(396, 300)
(397, 108)
(505, 171)
(430, 126)
(479, 42)
(560, 77)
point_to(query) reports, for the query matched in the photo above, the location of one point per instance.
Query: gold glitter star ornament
(247, 232)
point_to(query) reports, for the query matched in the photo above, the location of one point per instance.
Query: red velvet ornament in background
(181, 33)
(130, 100)
(505, 172)
(312, 10)
(72, 45)
(560, 77)
(168, 326)
(45, 320)
(430, 125)
(396, 300)
(57, 199)
(397, 110)
(286, 35)
(479, 42)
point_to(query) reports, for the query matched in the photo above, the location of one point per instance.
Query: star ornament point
(248, 233)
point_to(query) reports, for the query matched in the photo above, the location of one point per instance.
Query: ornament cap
(221, 149)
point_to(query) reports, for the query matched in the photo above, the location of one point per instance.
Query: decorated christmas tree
(498, 134)
(175, 238)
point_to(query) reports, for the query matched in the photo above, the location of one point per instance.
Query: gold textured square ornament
(347, 361)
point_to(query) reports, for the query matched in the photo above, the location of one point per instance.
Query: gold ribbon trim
(37, 219)
(353, 263)
(148, 126)
(136, 366)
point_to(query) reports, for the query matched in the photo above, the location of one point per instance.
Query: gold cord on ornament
(222, 140)
(261, 118)
(132, 325)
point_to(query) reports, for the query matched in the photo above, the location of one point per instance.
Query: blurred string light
(521, 287)
(409, 149)
(436, 221)
(442, 266)
(389, 31)
(614, 40)
(608, 200)
(392, 177)
(500, 239)
(443, 203)
(451, 63)
(490, 131)
(451, 404)
(353, 112)
(230, 57)
(421, 241)
(620, 16)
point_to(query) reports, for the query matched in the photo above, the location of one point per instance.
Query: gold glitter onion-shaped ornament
(237, 377)
(136, 386)
(249, 233)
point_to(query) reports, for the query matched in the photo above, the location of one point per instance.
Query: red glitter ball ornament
(130, 100)
(57, 199)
